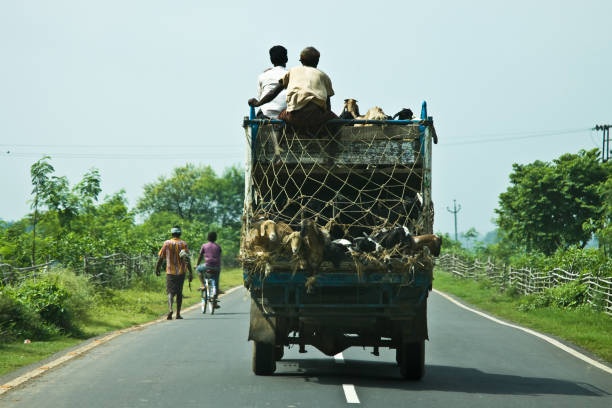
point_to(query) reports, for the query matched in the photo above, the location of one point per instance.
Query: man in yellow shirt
(175, 269)
(308, 93)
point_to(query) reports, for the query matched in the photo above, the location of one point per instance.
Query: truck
(364, 176)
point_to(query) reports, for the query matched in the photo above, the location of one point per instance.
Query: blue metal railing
(257, 122)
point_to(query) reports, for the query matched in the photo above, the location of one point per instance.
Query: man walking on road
(175, 269)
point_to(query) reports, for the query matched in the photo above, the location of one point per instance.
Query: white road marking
(552, 341)
(339, 358)
(349, 389)
(350, 393)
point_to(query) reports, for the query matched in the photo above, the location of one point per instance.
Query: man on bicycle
(211, 252)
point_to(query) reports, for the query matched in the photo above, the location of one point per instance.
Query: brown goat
(282, 231)
(374, 113)
(293, 245)
(431, 241)
(315, 241)
(262, 236)
(350, 106)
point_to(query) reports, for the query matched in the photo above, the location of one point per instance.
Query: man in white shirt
(268, 80)
(308, 94)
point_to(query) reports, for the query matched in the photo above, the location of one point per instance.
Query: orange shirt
(170, 250)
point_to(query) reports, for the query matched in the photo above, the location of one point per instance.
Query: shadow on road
(373, 374)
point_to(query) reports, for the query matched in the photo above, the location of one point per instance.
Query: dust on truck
(366, 177)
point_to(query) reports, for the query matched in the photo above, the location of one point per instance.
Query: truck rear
(362, 178)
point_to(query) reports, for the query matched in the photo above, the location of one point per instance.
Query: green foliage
(58, 299)
(569, 295)
(547, 203)
(47, 299)
(573, 259)
(18, 321)
(196, 193)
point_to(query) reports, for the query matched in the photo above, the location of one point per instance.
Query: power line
(525, 136)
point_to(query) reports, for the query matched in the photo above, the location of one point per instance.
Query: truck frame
(380, 177)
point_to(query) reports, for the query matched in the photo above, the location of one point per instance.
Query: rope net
(361, 178)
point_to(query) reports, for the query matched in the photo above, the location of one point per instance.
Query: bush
(47, 299)
(569, 295)
(80, 292)
(60, 298)
(18, 321)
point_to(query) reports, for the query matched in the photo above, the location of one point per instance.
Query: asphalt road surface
(205, 361)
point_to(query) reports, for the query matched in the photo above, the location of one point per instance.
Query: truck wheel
(279, 352)
(411, 358)
(264, 362)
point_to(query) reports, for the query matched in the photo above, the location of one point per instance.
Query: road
(205, 361)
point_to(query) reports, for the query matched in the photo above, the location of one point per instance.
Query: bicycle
(208, 294)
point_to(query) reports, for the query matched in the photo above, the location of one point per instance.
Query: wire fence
(528, 280)
(115, 270)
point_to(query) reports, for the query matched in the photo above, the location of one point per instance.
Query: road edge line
(544, 337)
(87, 347)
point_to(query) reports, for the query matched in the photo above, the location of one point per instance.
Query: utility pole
(454, 211)
(605, 144)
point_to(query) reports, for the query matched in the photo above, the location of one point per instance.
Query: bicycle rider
(211, 252)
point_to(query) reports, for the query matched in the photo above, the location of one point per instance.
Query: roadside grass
(582, 326)
(112, 310)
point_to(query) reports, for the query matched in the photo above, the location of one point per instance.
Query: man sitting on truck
(308, 93)
(267, 80)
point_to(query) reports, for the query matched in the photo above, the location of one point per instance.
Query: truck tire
(279, 352)
(264, 358)
(411, 360)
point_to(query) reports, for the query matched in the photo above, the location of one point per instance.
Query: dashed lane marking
(349, 389)
(350, 393)
(550, 340)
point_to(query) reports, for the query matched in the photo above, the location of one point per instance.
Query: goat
(395, 236)
(432, 241)
(404, 114)
(351, 110)
(315, 241)
(374, 113)
(294, 247)
(365, 244)
(262, 236)
(336, 231)
(282, 230)
(336, 251)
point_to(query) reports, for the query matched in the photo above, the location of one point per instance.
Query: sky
(137, 88)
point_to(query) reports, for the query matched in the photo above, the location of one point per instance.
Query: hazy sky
(136, 88)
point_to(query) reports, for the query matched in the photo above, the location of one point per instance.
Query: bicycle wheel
(205, 301)
(211, 303)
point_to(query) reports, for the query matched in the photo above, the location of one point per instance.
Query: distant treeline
(69, 222)
(548, 215)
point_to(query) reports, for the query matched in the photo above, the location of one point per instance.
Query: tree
(39, 173)
(195, 193)
(602, 225)
(62, 202)
(470, 236)
(547, 203)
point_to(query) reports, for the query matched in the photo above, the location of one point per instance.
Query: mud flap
(262, 328)
(416, 330)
